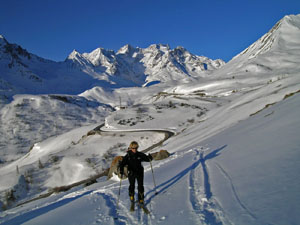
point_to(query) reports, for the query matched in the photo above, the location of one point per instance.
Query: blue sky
(213, 28)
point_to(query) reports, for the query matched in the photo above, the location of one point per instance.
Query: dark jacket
(134, 162)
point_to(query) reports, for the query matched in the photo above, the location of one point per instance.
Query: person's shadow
(202, 159)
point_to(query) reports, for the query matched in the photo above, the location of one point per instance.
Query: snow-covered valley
(234, 150)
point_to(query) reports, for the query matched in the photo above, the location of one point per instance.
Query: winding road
(168, 134)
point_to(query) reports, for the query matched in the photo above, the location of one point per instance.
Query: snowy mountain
(274, 52)
(142, 66)
(26, 73)
(234, 138)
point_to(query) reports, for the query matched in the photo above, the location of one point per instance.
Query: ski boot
(131, 198)
(141, 201)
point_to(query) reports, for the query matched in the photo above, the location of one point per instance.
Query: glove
(150, 157)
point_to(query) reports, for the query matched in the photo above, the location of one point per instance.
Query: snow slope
(262, 185)
(29, 119)
(235, 155)
(199, 184)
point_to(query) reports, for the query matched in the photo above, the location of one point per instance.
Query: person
(133, 159)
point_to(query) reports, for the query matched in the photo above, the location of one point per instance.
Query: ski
(132, 207)
(143, 207)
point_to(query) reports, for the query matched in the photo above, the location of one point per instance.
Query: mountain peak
(127, 50)
(100, 56)
(180, 50)
(100, 52)
(3, 41)
(162, 47)
(291, 20)
(278, 38)
(73, 54)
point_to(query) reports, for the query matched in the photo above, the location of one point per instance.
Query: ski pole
(119, 190)
(153, 178)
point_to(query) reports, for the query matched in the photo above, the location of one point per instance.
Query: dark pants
(140, 180)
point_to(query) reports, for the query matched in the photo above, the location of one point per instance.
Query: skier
(133, 159)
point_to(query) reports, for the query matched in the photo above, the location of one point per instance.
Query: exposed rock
(114, 168)
(162, 154)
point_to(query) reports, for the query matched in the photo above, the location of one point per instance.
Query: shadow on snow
(164, 186)
(40, 211)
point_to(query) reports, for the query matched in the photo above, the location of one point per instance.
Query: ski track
(120, 213)
(112, 211)
(235, 194)
(196, 190)
(200, 191)
(207, 209)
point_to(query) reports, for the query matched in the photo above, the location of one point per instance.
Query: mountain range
(23, 72)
